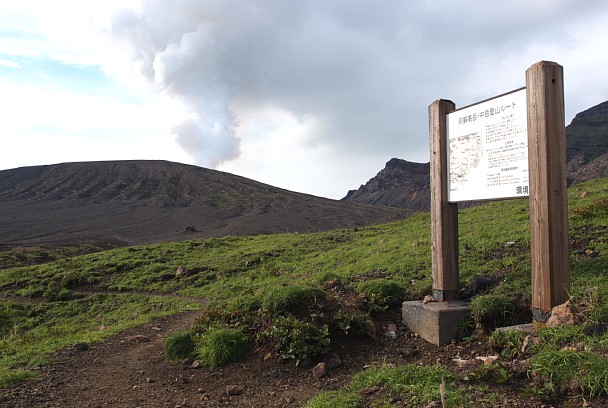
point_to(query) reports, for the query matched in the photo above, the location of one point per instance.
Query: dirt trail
(129, 370)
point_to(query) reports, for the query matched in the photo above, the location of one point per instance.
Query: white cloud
(294, 93)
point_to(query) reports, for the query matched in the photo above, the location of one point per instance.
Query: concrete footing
(436, 322)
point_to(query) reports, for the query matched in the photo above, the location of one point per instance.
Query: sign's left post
(444, 215)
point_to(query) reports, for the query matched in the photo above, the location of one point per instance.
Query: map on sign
(488, 149)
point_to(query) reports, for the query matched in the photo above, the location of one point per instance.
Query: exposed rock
(391, 331)
(428, 299)
(233, 390)
(370, 330)
(564, 314)
(400, 184)
(371, 390)
(320, 370)
(333, 361)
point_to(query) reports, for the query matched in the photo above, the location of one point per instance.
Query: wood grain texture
(548, 194)
(444, 215)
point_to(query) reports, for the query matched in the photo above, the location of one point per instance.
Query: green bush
(284, 299)
(54, 292)
(491, 311)
(381, 293)
(179, 346)
(221, 345)
(352, 321)
(573, 372)
(509, 342)
(298, 340)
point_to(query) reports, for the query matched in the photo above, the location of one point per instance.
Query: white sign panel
(488, 149)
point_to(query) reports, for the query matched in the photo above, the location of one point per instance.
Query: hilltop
(117, 203)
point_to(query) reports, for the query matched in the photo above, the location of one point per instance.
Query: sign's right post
(549, 244)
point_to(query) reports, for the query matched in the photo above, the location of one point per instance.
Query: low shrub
(297, 340)
(179, 346)
(290, 298)
(572, 372)
(221, 345)
(54, 292)
(381, 293)
(509, 342)
(491, 311)
(352, 321)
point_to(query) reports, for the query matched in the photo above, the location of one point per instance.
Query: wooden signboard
(467, 157)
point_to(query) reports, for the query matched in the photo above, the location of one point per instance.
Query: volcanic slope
(137, 202)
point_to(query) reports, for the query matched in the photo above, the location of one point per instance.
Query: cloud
(365, 72)
(249, 84)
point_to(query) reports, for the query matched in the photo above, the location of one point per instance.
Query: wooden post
(548, 194)
(444, 215)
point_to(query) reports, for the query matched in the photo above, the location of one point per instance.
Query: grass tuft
(220, 346)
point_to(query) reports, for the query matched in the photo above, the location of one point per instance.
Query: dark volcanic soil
(129, 370)
(138, 202)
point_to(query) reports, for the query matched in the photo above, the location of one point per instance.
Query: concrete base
(436, 322)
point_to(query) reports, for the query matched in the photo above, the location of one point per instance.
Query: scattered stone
(268, 356)
(433, 404)
(181, 271)
(563, 314)
(584, 194)
(139, 338)
(371, 390)
(196, 364)
(307, 362)
(102, 327)
(233, 390)
(487, 360)
(320, 370)
(595, 329)
(409, 351)
(429, 299)
(333, 361)
(391, 331)
(149, 380)
(370, 330)
(591, 253)
(481, 284)
(81, 346)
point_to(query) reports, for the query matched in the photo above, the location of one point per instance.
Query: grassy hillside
(268, 286)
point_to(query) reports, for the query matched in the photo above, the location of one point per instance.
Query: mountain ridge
(403, 184)
(145, 201)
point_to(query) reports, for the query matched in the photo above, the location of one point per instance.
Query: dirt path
(129, 370)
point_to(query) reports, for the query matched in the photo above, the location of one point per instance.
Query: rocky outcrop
(400, 184)
(405, 184)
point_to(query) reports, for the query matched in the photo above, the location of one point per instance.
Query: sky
(312, 96)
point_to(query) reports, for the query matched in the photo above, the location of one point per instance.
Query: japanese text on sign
(488, 149)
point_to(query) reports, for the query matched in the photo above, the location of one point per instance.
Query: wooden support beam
(548, 190)
(444, 215)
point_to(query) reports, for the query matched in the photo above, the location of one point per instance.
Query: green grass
(32, 332)
(219, 346)
(416, 386)
(267, 277)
